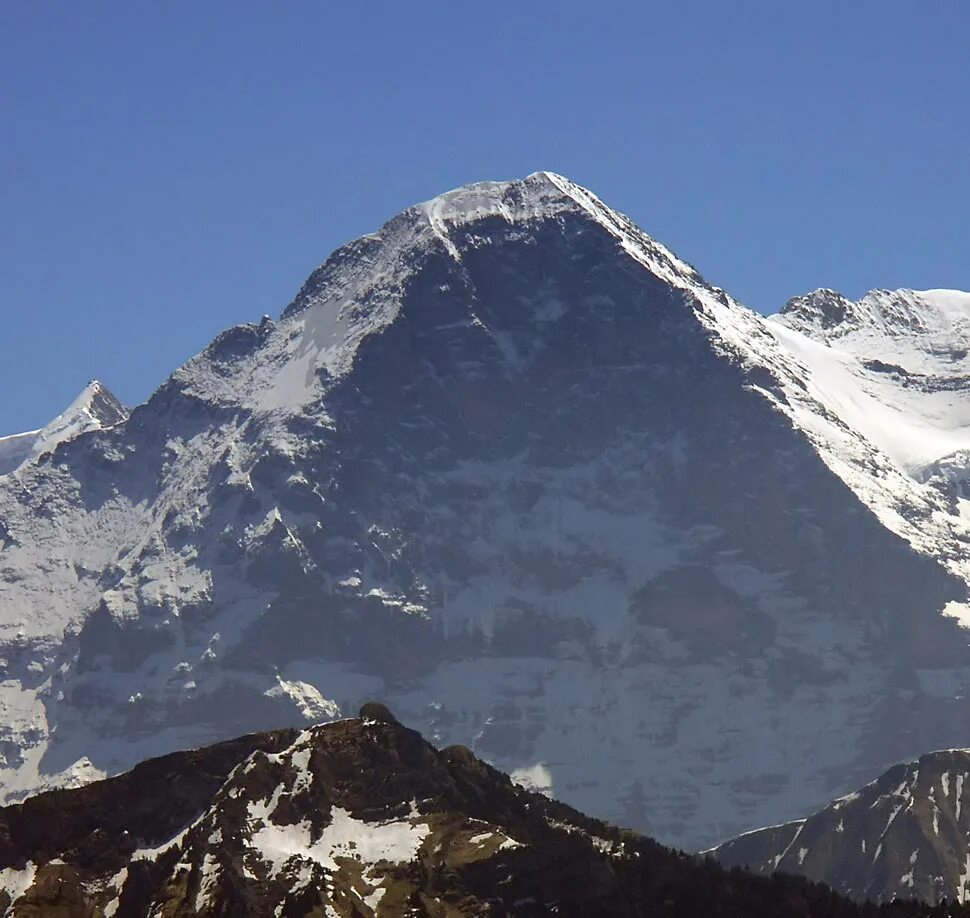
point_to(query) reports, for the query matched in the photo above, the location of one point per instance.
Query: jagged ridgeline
(359, 818)
(513, 467)
(905, 835)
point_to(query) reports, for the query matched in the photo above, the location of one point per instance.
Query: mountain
(357, 818)
(513, 467)
(94, 409)
(897, 364)
(905, 835)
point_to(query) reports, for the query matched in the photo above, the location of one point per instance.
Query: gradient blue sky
(170, 169)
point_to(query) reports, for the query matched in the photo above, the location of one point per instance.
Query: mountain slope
(898, 360)
(356, 818)
(891, 369)
(15, 449)
(512, 465)
(904, 835)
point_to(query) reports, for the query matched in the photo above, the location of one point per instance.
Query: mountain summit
(513, 467)
(94, 409)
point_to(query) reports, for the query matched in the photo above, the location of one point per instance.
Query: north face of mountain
(906, 835)
(356, 818)
(512, 466)
(94, 409)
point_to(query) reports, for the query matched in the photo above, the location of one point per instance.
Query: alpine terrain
(905, 835)
(511, 466)
(358, 818)
(94, 409)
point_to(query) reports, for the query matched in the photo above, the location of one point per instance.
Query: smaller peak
(376, 712)
(95, 408)
(827, 315)
(818, 295)
(98, 403)
(92, 389)
(823, 308)
(92, 392)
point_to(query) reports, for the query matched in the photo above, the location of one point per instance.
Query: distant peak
(824, 308)
(95, 408)
(95, 402)
(828, 314)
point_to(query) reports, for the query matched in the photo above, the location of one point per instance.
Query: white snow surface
(16, 882)
(908, 412)
(396, 841)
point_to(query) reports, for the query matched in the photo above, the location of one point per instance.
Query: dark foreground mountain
(513, 467)
(906, 834)
(357, 818)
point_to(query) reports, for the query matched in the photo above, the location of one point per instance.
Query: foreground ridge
(362, 818)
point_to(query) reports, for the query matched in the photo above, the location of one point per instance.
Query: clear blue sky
(170, 169)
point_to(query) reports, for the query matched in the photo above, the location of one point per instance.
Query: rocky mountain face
(357, 818)
(512, 466)
(905, 835)
(94, 409)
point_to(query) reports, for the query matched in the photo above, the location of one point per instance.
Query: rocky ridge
(356, 818)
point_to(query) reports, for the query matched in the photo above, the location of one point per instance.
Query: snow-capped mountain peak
(95, 408)
(938, 315)
(818, 312)
(357, 292)
(513, 465)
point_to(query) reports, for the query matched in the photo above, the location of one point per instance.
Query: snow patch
(16, 882)
(395, 841)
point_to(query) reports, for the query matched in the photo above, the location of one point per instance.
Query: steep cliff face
(512, 465)
(357, 818)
